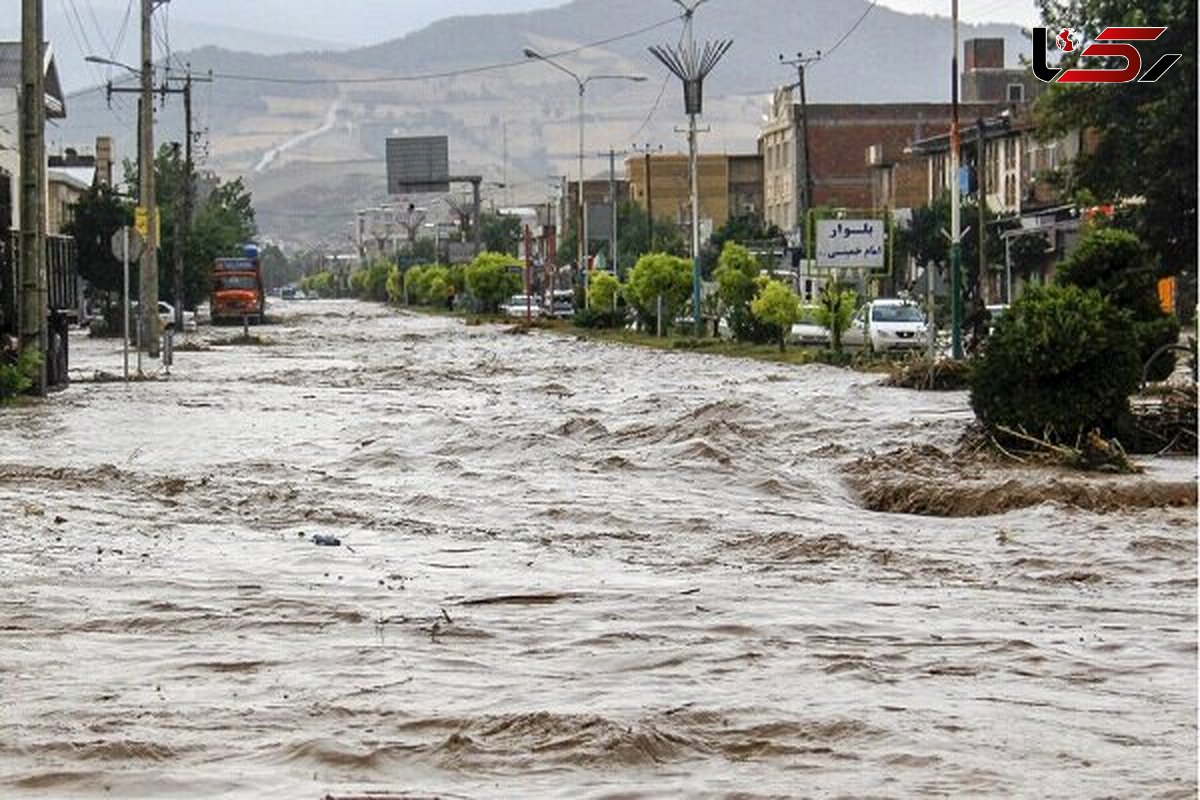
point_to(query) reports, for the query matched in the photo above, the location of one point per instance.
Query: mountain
(308, 128)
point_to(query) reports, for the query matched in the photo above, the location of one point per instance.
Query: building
(730, 186)
(10, 125)
(596, 193)
(841, 134)
(71, 175)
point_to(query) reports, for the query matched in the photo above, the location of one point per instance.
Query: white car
(519, 303)
(888, 325)
(807, 332)
(166, 315)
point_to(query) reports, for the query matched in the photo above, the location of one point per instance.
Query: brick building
(730, 186)
(848, 142)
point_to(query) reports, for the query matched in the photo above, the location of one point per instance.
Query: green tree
(737, 286)
(660, 275)
(1117, 265)
(491, 281)
(1061, 362)
(835, 309)
(604, 292)
(501, 233)
(1145, 132)
(99, 214)
(778, 307)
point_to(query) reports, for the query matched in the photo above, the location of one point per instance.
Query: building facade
(730, 186)
(848, 143)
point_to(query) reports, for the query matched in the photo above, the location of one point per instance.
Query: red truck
(237, 289)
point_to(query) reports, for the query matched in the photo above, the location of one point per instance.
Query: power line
(853, 28)
(440, 75)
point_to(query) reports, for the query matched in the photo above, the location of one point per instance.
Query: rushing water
(567, 570)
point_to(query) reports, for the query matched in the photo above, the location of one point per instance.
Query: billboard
(850, 244)
(418, 165)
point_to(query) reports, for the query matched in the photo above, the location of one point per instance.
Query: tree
(1145, 132)
(660, 275)
(1061, 362)
(501, 233)
(778, 307)
(1117, 265)
(835, 309)
(98, 215)
(737, 287)
(604, 292)
(490, 281)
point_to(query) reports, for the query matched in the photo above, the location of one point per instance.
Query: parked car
(562, 305)
(519, 304)
(888, 325)
(808, 332)
(166, 314)
(994, 315)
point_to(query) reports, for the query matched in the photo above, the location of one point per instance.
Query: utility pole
(34, 299)
(956, 304)
(803, 178)
(981, 189)
(648, 151)
(148, 284)
(613, 240)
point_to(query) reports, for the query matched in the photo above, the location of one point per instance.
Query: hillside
(313, 150)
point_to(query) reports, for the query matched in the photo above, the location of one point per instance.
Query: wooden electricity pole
(33, 292)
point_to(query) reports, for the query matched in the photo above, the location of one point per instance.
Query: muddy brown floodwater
(567, 570)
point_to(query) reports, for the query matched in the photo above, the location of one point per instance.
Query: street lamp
(108, 62)
(582, 83)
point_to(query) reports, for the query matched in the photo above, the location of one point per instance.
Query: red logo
(1113, 42)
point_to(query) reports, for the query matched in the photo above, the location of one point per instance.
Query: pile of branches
(1091, 452)
(1164, 420)
(930, 375)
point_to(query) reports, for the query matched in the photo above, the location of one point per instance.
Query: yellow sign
(142, 225)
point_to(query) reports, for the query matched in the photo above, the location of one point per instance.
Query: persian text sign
(850, 243)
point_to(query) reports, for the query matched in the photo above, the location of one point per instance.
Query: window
(1016, 93)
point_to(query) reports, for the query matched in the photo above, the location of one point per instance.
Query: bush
(429, 285)
(1116, 264)
(604, 292)
(597, 318)
(395, 286)
(1061, 362)
(835, 309)
(322, 284)
(371, 283)
(778, 307)
(737, 287)
(17, 376)
(655, 275)
(490, 282)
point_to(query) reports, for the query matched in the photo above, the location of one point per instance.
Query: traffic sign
(136, 244)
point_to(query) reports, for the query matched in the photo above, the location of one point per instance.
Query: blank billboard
(418, 165)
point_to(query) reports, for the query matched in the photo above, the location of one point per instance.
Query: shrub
(604, 292)
(595, 318)
(1061, 362)
(322, 284)
(655, 275)
(1116, 264)
(778, 307)
(429, 285)
(18, 376)
(395, 286)
(490, 281)
(737, 287)
(835, 309)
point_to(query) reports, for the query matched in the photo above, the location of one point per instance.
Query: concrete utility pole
(148, 285)
(981, 187)
(803, 177)
(648, 151)
(955, 203)
(613, 239)
(33, 292)
(183, 223)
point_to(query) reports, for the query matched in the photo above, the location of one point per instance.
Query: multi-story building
(71, 175)
(10, 125)
(730, 186)
(841, 134)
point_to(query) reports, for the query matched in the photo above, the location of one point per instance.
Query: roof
(81, 178)
(993, 128)
(10, 77)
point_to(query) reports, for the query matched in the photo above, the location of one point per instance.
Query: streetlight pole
(582, 83)
(955, 201)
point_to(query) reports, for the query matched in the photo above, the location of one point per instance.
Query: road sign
(136, 243)
(418, 165)
(141, 222)
(850, 243)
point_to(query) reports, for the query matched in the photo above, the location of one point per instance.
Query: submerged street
(566, 569)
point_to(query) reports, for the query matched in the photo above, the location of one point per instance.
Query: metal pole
(125, 297)
(33, 299)
(478, 217)
(649, 204)
(146, 195)
(981, 190)
(695, 168)
(582, 227)
(955, 200)
(1008, 269)
(612, 198)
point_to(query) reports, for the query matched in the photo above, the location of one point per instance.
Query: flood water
(568, 570)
